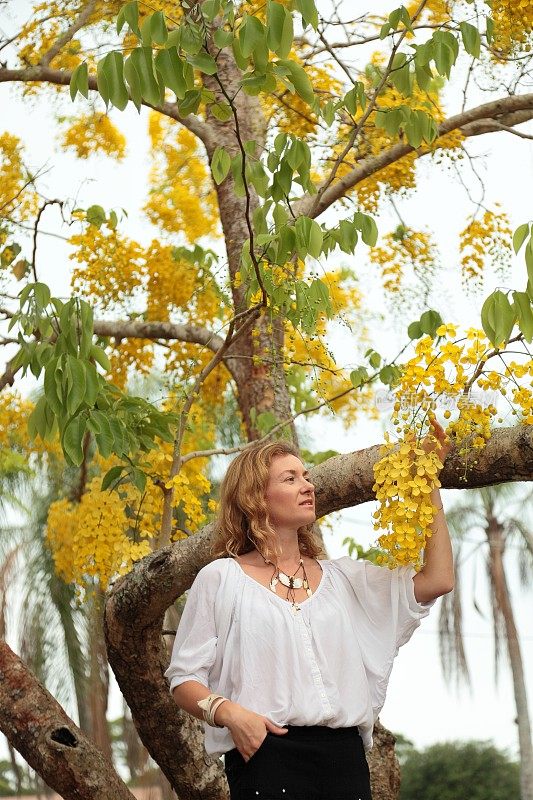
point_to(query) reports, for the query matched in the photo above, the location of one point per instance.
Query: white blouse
(327, 664)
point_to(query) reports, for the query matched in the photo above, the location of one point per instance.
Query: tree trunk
(134, 615)
(383, 765)
(499, 582)
(52, 744)
(261, 387)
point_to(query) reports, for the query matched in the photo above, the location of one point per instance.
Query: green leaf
(113, 69)
(111, 476)
(528, 253)
(37, 420)
(92, 384)
(72, 440)
(490, 30)
(299, 79)
(252, 35)
(429, 322)
(41, 293)
(222, 38)
(279, 31)
(307, 9)
(220, 164)
(358, 376)
(53, 396)
(190, 103)
(445, 51)
(221, 111)
(522, 307)
(210, 9)
(191, 39)
(138, 478)
(133, 78)
(101, 81)
(142, 60)
(158, 28)
(104, 439)
(204, 62)
(171, 68)
(309, 236)
(129, 14)
(96, 216)
(367, 226)
(77, 393)
(471, 39)
(79, 82)
(520, 236)
(414, 331)
(503, 318)
(400, 75)
(99, 355)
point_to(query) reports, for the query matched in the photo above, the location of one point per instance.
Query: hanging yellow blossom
(485, 241)
(94, 133)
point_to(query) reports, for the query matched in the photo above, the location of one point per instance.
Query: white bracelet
(209, 705)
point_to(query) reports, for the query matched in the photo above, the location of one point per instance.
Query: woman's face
(289, 494)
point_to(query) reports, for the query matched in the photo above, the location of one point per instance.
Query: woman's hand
(248, 729)
(441, 446)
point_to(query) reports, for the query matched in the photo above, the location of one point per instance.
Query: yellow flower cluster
(485, 239)
(93, 537)
(453, 372)
(111, 268)
(402, 250)
(41, 36)
(106, 532)
(94, 133)
(170, 282)
(14, 413)
(513, 26)
(436, 12)
(181, 199)
(404, 479)
(18, 199)
(130, 356)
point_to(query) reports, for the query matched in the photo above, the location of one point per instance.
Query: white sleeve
(194, 649)
(386, 599)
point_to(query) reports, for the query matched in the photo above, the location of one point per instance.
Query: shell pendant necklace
(290, 581)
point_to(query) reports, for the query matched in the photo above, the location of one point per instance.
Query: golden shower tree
(262, 118)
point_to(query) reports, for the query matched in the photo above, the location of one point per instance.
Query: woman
(284, 654)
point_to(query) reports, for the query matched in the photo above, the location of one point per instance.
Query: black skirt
(307, 763)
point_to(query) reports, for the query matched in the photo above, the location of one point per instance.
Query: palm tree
(491, 510)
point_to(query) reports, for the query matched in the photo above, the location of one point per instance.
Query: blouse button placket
(315, 671)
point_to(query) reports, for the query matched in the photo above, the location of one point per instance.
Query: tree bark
(52, 744)
(383, 765)
(261, 387)
(499, 582)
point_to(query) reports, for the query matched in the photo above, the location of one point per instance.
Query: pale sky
(418, 704)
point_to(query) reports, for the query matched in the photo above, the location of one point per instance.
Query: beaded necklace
(290, 581)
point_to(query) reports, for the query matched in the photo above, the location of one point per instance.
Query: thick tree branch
(496, 111)
(68, 34)
(52, 744)
(138, 329)
(45, 74)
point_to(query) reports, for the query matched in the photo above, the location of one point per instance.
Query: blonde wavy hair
(242, 522)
